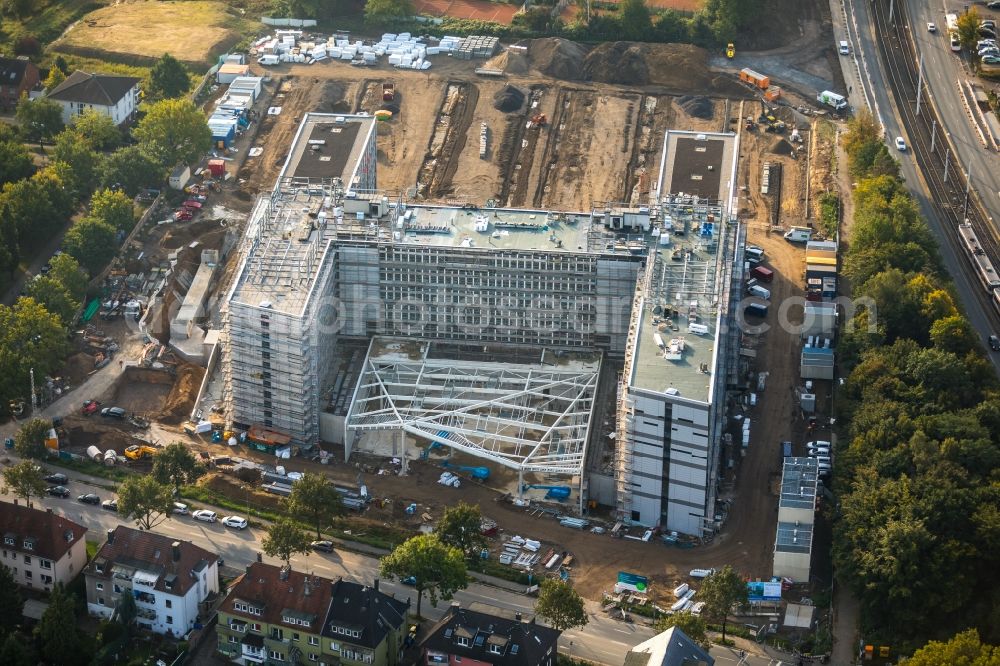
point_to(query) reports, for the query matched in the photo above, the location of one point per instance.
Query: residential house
(114, 96)
(41, 548)
(482, 634)
(671, 648)
(18, 76)
(275, 615)
(170, 580)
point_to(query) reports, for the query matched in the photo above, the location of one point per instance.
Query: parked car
(89, 498)
(991, 59)
(191, 203)
(236, 522)
(931, 27)
(114, 413)
(180, 509)
(58, 491)
(90, 407)
(994, 343)
(322, 546)
(900, 144)
(183, 216)
(110, 505)
(409, 580)
(204, 515)
(819, 451)
(993, 4)
(57, 479)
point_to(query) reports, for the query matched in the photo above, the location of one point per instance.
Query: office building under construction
(362, 320)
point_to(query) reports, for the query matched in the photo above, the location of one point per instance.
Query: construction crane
(481, 473)
(554, 492)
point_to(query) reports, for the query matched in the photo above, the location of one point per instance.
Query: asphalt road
(943, 69)
(604, 640)
(873, 78)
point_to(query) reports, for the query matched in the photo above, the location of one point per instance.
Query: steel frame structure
(532, 417)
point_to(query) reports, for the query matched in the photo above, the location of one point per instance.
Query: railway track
(948, 194)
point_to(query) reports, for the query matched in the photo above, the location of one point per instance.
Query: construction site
(543, 131)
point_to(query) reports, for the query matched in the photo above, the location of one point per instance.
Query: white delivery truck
(798, 235)
(269, 59)
(832, 99)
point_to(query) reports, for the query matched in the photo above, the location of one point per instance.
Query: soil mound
(781, 147)
(509, 99)
(697, 106)
(617, 62)
(180, 401)
(557, 57)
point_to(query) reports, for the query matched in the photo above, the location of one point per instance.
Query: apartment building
(484, 635)
(275, 615)
(170, 580)
(40, 548)
(115, 96)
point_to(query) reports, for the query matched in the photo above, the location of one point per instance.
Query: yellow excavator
(730, 50)
(136, 452)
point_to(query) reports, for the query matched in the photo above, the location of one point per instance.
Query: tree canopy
(382, 11)
(964, 649)
(31, 337)
(25, 480)
(694, 626)
(175, 132)
(560, 605)
(314, 499)
(92, 242)
(29, 442)
(433, 568)
(168, 78)
(131, 168)
(54, 297)
(15, 162)
(75, 150)
(40, 119)
(461, 526)
(97, 129)
(723, 592)
(145, 500)
(969, 23)
(57, 631)
(175, 466)
(113, 207)
(284, 539)
(67, 272)
(11, 603)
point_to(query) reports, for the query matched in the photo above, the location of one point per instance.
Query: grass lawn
(137, 33)
(46, 23)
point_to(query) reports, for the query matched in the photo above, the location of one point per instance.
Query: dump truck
(388, 92)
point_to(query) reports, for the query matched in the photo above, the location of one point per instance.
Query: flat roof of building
(678, 336)
(792, 538)
(328, 146)
(496, 228)
(799, 479)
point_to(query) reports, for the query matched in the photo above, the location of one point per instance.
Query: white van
(759, 292)
(754, 253)
(269, 59)
(844, 48)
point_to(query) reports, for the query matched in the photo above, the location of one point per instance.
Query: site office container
(763, 274)
(755, 79)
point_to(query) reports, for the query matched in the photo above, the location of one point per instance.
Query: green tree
(168, 78)
(15, 162)
(29, 442)
(126, 611)
(132, 169)
(15, 650)
(26, 206)
(25, 480)
(67, 272)
(54, 297)
(461, 526)
(11, 604)
(969, 24)
(50, 182)
(145, 500)
(92, 242)
(636, 21)
(383, 11)
(31, 337)
(692, 625)
(284, 539)
(113, 207)
(40, 119)
(435, 568)
(175, 132)
(76, 151)
(954, 334)
(314, 499)
(721, 592)
(560, 605)
(57, 632)
(175, 466)
(97, 129)
(55, 77)
(963, 649)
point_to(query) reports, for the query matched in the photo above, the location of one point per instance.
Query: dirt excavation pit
(697, 106)
(509, 100)
(163, 395)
